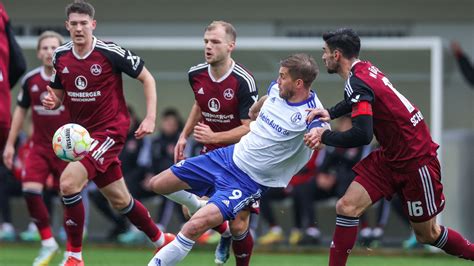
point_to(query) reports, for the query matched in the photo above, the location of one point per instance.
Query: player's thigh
(422, 193)
(354, 202)
(117, 194)
(205, 218)
(167, 182)
(73, 179)
(426, 232)
(240, 224)
(36, 167)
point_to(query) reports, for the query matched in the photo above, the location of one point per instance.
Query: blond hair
(49, 34)
(228, 28)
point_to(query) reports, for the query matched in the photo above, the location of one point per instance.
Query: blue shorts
(215, 175)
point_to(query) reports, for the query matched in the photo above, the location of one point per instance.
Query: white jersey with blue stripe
(273, 151)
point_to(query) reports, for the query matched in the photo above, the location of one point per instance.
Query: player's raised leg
(207, 217)
(348, 209)
(72, 181)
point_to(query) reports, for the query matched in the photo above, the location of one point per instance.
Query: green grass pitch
(23, 254)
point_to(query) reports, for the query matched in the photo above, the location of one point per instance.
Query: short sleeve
(55, 82)
(359, 91)
(124, 60)
(247, 92)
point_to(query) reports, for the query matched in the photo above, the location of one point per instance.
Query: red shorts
(39, 163)
(3, 137)
(420, 190)
(102, 162)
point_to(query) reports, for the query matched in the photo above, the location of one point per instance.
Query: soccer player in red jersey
(12, 66)
(88, 79)
(406, 162)
(41, 160)
(224, 91)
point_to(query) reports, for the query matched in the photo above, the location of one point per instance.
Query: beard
(287, 94)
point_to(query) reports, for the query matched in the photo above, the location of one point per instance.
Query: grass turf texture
(23, 254)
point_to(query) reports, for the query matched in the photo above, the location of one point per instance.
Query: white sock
(187, 199)
(50, 242)
(77, 255)
(173, 253)
(160, 241)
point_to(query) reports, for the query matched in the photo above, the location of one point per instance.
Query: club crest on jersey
(96, 69)
(296, 118)
(81, 82)
(229, 94)
(214, 105)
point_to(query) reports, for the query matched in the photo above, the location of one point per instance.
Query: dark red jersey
(93, 85)
(45, 122)
(223, 102)
(399, 126)
(5, 100)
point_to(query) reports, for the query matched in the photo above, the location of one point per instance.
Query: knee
(238, 227)
(428, 236)
(120, 203)
(347, 208)
(68, 186)
(193, 229)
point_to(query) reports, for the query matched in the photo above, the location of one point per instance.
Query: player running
(405, 164)
(88, 78)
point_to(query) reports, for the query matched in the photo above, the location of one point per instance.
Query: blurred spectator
(467, 69)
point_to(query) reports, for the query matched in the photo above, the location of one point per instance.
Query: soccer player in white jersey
(268, 156)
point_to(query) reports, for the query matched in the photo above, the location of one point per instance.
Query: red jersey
(93, 85)
(399, 126)
(45, 122)
(5, 100)
(224, 102)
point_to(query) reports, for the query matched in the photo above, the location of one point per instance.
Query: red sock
(140, 217)
(242, 246)
(222, 227)
(343, 240)
(38, 213)
(455, 244)
(74, 216)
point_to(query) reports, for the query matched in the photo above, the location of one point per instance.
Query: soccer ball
(71, 142)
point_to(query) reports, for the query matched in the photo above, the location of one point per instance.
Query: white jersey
(273, 151)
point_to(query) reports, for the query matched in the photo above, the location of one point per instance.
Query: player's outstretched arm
(53, 100)
(17, 121)
(147, 126)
